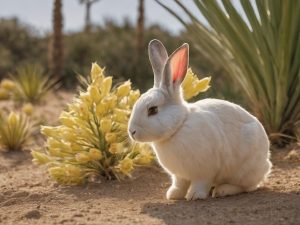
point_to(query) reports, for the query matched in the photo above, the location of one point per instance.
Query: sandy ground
(29, 196)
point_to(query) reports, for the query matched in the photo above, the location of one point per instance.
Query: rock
(33, 214)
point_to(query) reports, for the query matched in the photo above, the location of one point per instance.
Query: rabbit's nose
(133, 132)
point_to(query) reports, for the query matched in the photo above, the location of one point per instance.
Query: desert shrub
(15, 131)
(259, 50)
(31, 84)
(92, 140)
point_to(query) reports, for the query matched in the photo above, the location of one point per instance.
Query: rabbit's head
(159, 112)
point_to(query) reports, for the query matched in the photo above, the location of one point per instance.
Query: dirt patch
(28, 196)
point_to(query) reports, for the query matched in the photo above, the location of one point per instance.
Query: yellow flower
(122, 126)
(82, 158)
(94, 93)
(121, 116)
(145, 155)
(84, 112)
(192, 86)
(7, 84)
(50, 131)
(96, 71)
(101, 108)
(56, 171)
(86, 98)
(40, 158)
(125, 166)
(106, 85)
(85, 134)
(203, 84)
(28, 109)
(69, 136)
(133, 97)
(74, 106)
(67, 121)
(188, 80)
(110, 137)
(3, 94)
(73, 171)
(143, 159)
(189, 93)
(56, 152)
(67, 174)
(123, 104)
(105, 125)
(115, 148)
(76, 147)
(95, 154)
(124, 89)
(58, 144)
(111, 101)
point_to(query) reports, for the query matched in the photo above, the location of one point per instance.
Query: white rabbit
(209, 143)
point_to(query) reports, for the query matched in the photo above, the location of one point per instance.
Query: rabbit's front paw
(175, 193)
(196, 194)
(197, 191)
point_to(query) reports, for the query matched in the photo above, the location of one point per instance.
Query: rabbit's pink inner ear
(179, 65)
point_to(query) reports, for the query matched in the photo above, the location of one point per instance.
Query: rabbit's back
(227, 112)
(219, 140)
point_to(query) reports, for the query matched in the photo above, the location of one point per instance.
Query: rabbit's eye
(152, 110)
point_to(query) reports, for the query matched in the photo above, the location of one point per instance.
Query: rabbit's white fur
(210, 143)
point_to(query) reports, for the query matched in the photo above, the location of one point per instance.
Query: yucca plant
(92, 140)
(31, 84)
(15, 131)
(260, 48)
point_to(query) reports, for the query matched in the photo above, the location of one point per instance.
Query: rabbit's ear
(158, 57)
(176, 68)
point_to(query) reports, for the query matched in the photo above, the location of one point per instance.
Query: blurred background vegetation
(112, 45)
(252, 65)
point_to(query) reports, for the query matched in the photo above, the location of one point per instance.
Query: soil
(29, 196)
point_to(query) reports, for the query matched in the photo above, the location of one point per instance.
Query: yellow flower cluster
(27, 109)
(5, 88)
(92, 137)
(192, 86)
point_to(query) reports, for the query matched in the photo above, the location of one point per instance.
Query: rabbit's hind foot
(226, 189)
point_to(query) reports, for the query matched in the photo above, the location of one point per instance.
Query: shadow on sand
(260, 207)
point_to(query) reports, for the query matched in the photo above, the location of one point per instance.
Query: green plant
(260, 50)
(31, 84)
(15, 131)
